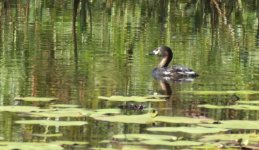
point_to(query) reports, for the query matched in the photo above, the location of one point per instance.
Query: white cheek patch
(156, 51)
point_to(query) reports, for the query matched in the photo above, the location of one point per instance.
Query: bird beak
(151, 53)
(154, 52)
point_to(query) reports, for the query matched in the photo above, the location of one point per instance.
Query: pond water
(82, 52)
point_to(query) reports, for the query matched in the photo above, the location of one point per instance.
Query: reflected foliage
(80, 50)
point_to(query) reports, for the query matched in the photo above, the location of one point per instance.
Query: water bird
(176, 72)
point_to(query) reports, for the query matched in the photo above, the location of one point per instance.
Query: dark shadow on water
(165, 87)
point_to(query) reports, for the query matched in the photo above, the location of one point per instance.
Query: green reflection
(81, 49)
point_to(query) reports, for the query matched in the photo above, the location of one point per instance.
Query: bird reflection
(175, 104)
(165, 87)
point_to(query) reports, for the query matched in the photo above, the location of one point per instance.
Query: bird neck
(164, 62)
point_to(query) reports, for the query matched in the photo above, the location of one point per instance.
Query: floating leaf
(139, 137)
(74, 112)
(64, 106)
(23, 109)
(131, 99)
(48, 135)
(100, 112)
(210, 146)
(209, 106)
(186, 120)
(236, 107)
(230, 137)
(138, 119)
(247, 102)
(52, 122)
(68, 112)
(36, 99)
(70, 142)
(134, 147)
(244, 107)
(29, 146)
(171, 143)
(99, 148)
(191, 130)
(243, 92)
(235, 124)
(149, 118)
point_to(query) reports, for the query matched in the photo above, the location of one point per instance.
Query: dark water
(44, 54)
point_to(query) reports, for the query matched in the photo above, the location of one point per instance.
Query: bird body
(176, 72)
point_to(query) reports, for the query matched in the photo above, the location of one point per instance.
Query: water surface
(52, 49)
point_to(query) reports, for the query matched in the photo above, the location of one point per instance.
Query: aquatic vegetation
(243, 92)
(102, 148)
(138, 137)
(138, 119)
(150, 118)
(211, 146)
(28, 146)
(100, 112)
(48, 135)
(36, 99)
(190, 130)
(171, 143)
(132, 98)
(246, 141)
(196, 125)
(70, 142)
(78, 50)
(182, 120)
(64, 106)
(154, 139)
(52, 122)
(134, 147)
(234, 124)
(22, 109)
(230, 137)
(248, 102)
(69, 112)
(236, 107)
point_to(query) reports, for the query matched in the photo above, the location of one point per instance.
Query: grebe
(163, 72)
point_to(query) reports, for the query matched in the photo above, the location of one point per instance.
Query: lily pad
(209, 146)
(230, 137)
(22, 109)
(242, 92)
(139, 137)
(171, 143)
(248, 102)
(102, 148)
(36, 99)
(236, 107)
(70, 142)
(235, 124)
(64, 106)
(68, 112)
(185, 120)
(52, 122)
(150, 118)
(29, 146)
(48, 135)
(131, 99)
(74, 112)
(138, 119)
(191, 130)
(134, 147)
(100, 112)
